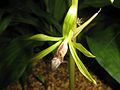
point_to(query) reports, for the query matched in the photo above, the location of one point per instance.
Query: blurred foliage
(105, 45)
(14, 61)
(19, 18)
(103, 41)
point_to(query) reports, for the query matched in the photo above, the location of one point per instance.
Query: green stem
(71, 73)
(71, 60)
(75, 2)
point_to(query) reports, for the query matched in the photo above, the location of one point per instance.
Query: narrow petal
(81, 27)
(43, 37)
(45, 52)
(83, 50)
(79, 64)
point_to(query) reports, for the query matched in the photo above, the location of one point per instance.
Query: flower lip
(59, 55)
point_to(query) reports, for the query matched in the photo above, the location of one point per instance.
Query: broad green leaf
(105, 45)
(45, 52)
(43, 37)
(83, 50)
(79, 64)
(4, 23)
(81, 27)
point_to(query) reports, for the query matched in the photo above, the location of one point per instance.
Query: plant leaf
(42, 14)
(4, 23)
(27, 20)
(14, 60)
(83, 50)
(79, 64)
(59, 9)
(104, 43)
(43, 37)
(45, 52)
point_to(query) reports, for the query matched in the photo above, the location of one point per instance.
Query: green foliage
(45, 15)
(58, 10)
(95, 3)
(27, 20)
(14, 60)
(104, 43)
(4, 23)
(116, 3)
(100, 3)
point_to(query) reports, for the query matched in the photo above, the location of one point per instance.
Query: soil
(57, 80)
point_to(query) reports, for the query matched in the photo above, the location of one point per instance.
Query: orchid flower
(70, 31)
